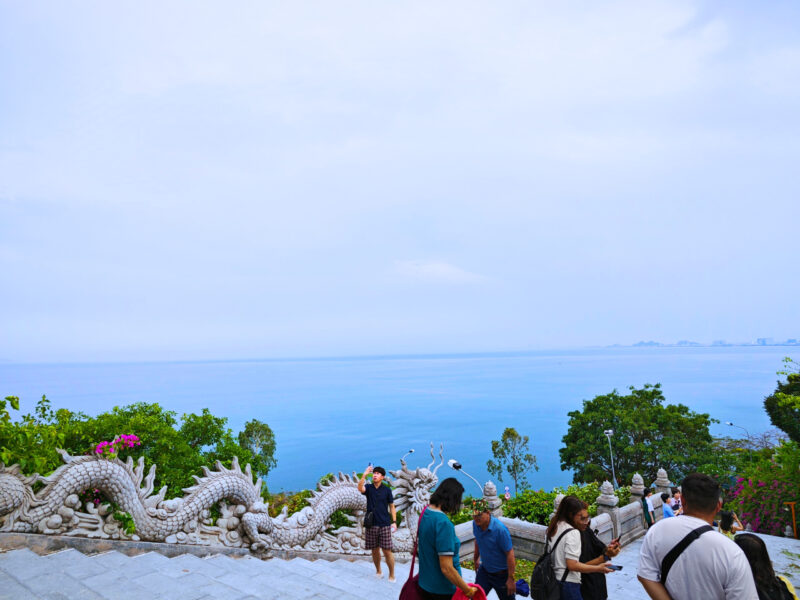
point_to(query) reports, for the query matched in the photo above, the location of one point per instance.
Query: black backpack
(544, 585)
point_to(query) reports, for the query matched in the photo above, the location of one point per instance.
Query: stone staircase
(70, 575)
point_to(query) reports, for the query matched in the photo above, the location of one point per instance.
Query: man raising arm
(378, 526)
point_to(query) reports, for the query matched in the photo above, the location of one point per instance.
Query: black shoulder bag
(678, 549)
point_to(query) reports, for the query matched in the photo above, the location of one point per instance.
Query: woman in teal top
(439, 568)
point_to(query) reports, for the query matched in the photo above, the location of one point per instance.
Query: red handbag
(410, 590)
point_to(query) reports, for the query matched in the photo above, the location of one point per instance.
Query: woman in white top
(571, 514)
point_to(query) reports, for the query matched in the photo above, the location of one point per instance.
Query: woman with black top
(593, 552)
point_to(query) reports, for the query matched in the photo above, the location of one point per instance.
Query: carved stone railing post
(662, 483)
(490, 495)
(556, 502)
(607, 502)
(637, 493)
(637, 488)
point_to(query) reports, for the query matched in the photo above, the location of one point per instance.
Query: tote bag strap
(414, 553)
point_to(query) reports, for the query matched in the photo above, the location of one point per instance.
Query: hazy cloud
(256, 179)
(432, 271)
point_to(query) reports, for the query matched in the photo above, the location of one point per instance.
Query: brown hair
(567, 509)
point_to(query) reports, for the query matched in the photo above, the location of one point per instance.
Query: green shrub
(534, 506)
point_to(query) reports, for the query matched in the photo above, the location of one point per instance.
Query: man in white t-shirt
(712, 567)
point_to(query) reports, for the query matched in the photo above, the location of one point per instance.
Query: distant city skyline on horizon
(642, 344)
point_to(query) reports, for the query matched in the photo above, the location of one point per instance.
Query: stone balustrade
(612, 521)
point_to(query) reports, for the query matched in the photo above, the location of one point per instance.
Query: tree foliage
(648, 435)
(260, 440)
(512, 455)
(179, 447)
(783, 406)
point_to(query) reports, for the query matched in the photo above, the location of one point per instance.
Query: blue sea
(338, 414)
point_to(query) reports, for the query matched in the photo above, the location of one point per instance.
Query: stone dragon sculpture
(243, 518)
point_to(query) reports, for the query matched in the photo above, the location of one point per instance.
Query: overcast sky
(233, 180)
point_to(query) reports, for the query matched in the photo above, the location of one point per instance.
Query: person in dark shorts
(382, 513)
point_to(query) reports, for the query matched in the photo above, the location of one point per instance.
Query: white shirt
(650, 504)
(713, 567)
(568, 547)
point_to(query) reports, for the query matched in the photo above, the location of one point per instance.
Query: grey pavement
(70, 575)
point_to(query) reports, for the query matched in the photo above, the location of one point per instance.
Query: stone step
(69, 574)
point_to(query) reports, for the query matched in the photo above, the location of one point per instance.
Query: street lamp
(609, 433)
(456, 466)
(747, 433)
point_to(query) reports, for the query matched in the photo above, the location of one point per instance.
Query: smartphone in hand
(615, 567)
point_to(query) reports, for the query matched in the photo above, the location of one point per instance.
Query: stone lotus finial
(556, 502)
(490, 494)
(607, 496)
(637, 485)
(661, 479)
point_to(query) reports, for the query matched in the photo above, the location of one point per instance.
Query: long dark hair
(768, 586)
(726, 520)
(567, 509)
(448, 495)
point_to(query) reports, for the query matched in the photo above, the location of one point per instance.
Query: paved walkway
(70, 575)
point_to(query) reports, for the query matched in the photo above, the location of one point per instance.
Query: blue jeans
(570, 590)
(498, 580)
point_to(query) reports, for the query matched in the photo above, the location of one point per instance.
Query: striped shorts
(378, 537)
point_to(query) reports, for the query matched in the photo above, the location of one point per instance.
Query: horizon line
(404, 356)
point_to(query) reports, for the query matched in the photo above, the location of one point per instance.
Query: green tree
(512, 455)
(783, 406)
(31, 441)
(179, 448)
(647, 435)
(259, 439)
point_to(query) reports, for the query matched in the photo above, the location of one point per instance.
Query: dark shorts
(497, 581)
(426, 595)
(570, 590)
(378, 537)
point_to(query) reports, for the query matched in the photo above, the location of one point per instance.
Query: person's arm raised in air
(362, 487)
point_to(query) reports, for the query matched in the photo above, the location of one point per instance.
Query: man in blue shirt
(494, 555)
(380, 504)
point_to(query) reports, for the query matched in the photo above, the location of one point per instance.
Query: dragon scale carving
(244, 518)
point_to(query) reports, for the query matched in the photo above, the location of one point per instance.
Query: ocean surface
(338, 414)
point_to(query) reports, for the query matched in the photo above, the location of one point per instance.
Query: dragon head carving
(413, 488)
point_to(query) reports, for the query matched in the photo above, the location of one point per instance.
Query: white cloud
(434, 271)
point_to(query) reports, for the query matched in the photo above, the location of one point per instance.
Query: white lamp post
(456, 466)
(609, 433)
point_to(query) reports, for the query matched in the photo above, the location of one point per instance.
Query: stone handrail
(612, 521)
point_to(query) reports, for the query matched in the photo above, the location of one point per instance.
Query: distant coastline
(760, 342)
